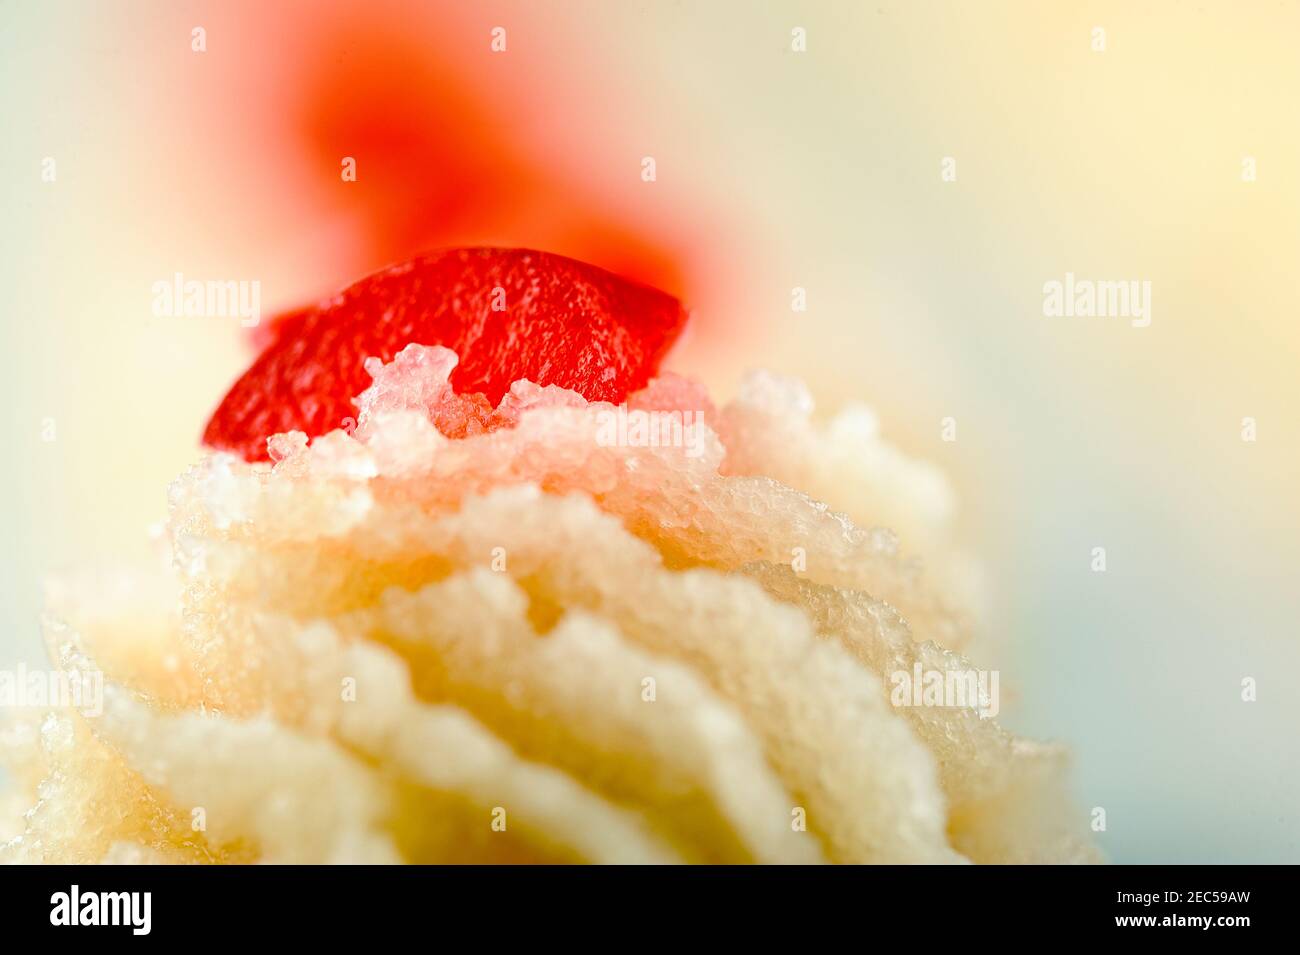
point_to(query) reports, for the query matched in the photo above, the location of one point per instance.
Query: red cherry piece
(507, 313)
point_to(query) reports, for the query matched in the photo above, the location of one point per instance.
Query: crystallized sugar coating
(552, 630)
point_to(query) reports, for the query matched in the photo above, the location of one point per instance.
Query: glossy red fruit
(508, 314)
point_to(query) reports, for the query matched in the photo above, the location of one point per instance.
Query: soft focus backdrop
(819, 169)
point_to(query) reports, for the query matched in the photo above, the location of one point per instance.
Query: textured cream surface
(530, 645)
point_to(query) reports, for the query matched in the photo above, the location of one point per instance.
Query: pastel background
(776, 169)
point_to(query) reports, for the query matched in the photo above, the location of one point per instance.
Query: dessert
(476, 623)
